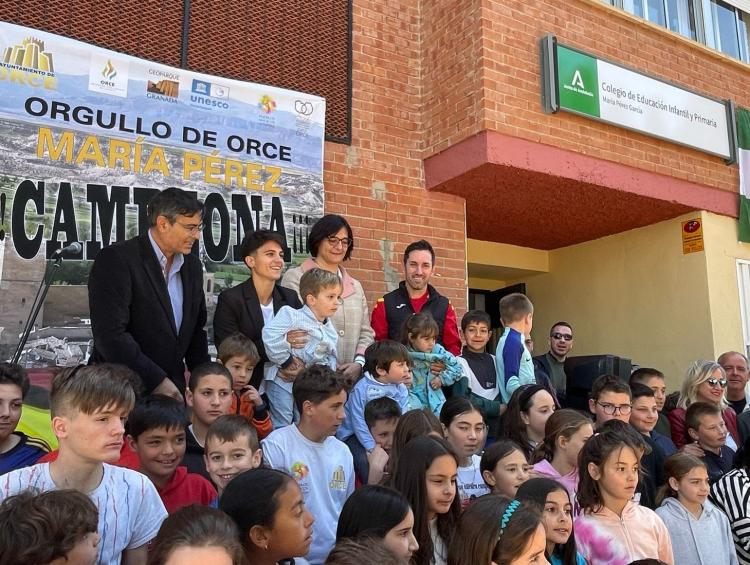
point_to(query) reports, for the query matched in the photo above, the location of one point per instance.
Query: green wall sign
(578, 82)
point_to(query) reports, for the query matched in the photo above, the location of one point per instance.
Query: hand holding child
(693, 449)
(377, 459)
(292, 370)
(297, 339)
(436, 383)
(437, 367)
(168, 388)
(350, 371)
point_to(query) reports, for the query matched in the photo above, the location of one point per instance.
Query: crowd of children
(426, 459)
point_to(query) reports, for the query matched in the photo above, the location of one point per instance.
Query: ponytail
(676, 467)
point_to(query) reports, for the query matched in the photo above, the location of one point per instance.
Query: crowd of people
(325, 434)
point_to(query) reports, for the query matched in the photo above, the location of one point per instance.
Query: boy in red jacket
(239, 354)
(156, 432)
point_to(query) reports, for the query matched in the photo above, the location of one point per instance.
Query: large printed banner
(88, 135)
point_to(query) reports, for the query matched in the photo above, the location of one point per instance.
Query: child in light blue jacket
(321, 291)
(426, 391)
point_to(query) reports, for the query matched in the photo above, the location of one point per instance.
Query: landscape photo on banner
(90, 135)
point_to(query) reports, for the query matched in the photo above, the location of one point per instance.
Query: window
(743, 21)
(651, 10)
(716, 23)
(681, 17)
(725, 28)
(677, 15)
(743, 280)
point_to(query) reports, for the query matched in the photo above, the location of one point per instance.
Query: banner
(743, 157)
(90, 135)
(581, 83)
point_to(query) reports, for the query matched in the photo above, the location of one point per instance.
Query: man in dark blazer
(148, 309)
(239, 308)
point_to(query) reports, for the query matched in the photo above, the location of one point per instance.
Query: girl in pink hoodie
(557, 456)
(612, 528)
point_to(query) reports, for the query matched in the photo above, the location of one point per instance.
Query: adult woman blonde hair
(704, 381)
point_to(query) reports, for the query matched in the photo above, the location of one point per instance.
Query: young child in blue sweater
(387, 373)
(420, 336)
(321, 292)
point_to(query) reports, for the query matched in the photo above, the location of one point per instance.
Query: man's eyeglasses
(612, 409)
(717, 382)
(191, 228)
(566, 337)
(336, 241)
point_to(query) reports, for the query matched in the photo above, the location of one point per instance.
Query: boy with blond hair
(321, 292)
(513, 360)
(89, 406)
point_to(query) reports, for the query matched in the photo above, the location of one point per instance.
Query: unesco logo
(208, 95)
(303, 107)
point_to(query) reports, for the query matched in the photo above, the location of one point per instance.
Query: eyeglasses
(191, 228)
(336, 242)
(720, 382)
(612, 409)
(566, 337)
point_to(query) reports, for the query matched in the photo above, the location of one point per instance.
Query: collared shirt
(173, 279)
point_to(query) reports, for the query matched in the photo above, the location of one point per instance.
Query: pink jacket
(570, 481)
(605, 537)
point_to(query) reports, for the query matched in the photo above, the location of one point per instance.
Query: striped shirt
(26, 452)
(320, 348)
(130, 510)
(731, 494)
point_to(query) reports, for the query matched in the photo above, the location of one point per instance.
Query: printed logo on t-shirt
(338, 481)
(299, 470)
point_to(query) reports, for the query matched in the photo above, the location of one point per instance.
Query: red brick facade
(378, 181)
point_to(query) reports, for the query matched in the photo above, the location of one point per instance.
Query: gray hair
(173, 202)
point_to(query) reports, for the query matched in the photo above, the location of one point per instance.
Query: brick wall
(377, 182)
(508, 83)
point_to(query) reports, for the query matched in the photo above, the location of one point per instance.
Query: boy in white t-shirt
(480, 381)
(89, 406)
(308, 450)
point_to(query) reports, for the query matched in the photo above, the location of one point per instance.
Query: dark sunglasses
(566, 337)
(713, 382)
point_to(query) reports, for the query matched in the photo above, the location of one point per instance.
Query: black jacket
(238, 310)
(131, 314)
(398, 308)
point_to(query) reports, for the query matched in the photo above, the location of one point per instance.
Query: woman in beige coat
(331, 242)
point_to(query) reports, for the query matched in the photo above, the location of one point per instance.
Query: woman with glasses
(705, 381)
(331, 242)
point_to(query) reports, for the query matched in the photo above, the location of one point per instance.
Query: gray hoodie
(698, 541)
